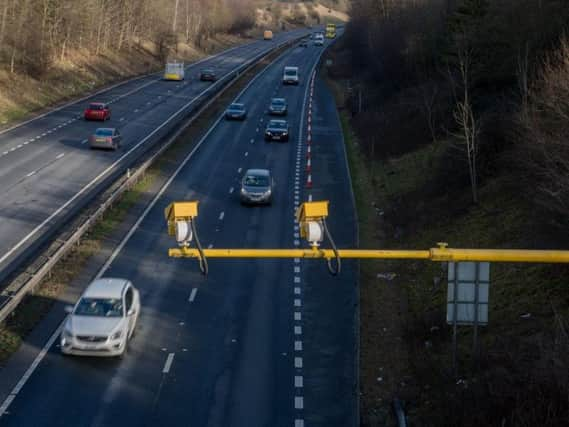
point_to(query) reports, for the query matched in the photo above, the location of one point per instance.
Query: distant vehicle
(278, 107)
(277, 130)
(330, 31)
(97, 111)
(103, 320)
(318, 40)
(257, 187)
(290, 76)
(107, 138)
(208, 75)
(174, 71)
(304, 42)
(267, 35)
(236, 111)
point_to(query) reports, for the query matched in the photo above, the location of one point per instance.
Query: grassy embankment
(405, 342)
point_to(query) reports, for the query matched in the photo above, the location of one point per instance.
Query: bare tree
(468, 124)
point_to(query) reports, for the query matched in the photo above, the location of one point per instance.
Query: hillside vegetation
(456, 114)
(52, 50)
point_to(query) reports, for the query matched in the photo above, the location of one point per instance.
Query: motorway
(256, 342)
(47, 171)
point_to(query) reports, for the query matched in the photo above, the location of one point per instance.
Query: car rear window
(104, 132)
(239, 107)
(96, 107)
(275, 124)
(290, 72)
(256, 181)
(99, 307)
(278, 102)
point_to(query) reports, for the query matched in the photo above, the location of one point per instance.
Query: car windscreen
(207, 72)
(256, 181)
(278, 102)
(104, 132)
(290, 72)
(97, 107)
(237, 107)
(99, 307)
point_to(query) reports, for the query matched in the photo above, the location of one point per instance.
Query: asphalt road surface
(47, 170)
(256, 342)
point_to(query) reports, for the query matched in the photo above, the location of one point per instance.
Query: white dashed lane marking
(193, 295)
(32, 173)
(221, 215)
(168, 363)
(231, 190)
(298, 381)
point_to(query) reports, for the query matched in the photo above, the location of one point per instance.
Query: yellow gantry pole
(433, 254)
(311, 217)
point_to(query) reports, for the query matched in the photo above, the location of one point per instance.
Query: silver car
(257, 187)
(103, 320)
(108, 138)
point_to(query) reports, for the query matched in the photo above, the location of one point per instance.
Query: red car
(97, 111)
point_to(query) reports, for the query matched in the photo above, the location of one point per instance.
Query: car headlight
(116, 335)
(268, 192)
(285, 132)
(268, 133)
(67, 333)
(243, 191)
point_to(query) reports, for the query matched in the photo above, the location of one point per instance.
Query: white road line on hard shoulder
(118, 249)
(193, 295)
(31, 369)
(59, 156)
(168, 363)
(32, 173)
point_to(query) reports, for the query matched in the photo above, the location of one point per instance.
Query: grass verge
(520, 377)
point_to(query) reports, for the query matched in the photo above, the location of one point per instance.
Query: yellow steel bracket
(180, 211)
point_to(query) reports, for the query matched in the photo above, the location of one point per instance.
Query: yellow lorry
(330, 31)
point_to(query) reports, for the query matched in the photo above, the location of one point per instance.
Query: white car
(103, 320)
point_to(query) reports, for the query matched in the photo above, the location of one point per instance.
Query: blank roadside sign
(471, 280)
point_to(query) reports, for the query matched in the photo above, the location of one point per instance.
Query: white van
(290, 76)
(319, 40)
(174, 71)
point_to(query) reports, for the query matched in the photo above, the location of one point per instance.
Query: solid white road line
(193, 295)
(168, 363)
